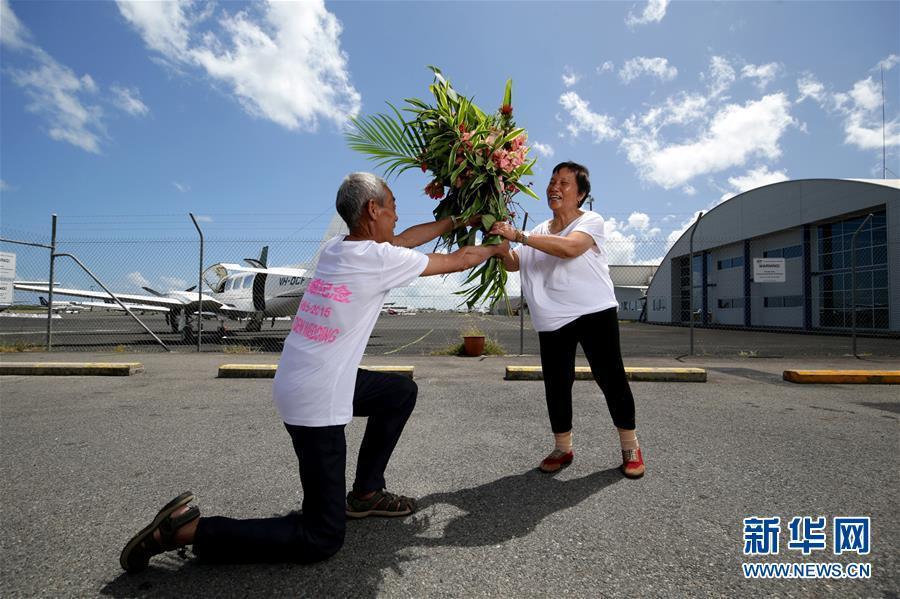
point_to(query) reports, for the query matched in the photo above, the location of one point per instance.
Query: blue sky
(235, 111)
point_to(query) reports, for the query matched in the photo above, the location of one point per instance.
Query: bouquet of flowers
(476, 161)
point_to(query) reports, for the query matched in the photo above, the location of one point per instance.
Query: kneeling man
(319, 387)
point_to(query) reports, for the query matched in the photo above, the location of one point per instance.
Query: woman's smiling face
(562, 191)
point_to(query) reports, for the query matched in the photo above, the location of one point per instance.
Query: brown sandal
(142, 546)
(381, 503)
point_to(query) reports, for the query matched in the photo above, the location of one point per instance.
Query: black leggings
(598, 334)
(318, 533)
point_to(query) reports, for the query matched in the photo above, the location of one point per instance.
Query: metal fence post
(522, 303)
(691, 279)
(853, 282)
(199, 288)
(50, 284)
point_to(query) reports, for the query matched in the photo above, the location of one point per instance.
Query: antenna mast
(883, 162)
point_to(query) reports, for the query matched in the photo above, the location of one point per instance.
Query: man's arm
(418, 234)
(462, 259)
(510, 260)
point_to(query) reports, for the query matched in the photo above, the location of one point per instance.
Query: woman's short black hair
(582, 177)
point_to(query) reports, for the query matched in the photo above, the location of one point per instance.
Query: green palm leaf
(389, 141)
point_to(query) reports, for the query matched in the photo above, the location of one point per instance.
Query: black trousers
(598, 334)
(318, 532)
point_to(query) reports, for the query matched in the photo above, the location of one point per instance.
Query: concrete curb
(267, 371)
(638, 374)
(71, 368)
(855, 377)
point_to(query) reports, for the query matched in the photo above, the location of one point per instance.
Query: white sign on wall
(768, 270)
(7, 276)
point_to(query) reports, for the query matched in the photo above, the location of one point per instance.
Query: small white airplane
(256, 293)
(65, 307)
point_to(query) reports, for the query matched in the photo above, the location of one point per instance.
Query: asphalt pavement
(87, 461)
(426, 333)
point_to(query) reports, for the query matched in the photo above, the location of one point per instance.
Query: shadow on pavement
(494, 513)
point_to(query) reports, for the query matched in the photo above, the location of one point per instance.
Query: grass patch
(491, 348)
(20, 346)
(239, 349)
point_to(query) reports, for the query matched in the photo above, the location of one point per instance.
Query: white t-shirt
(316, 374)
(559, 290)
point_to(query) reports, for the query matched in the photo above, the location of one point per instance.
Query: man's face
(386, 217)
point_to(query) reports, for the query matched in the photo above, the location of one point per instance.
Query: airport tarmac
(425, 333)
(87, 461)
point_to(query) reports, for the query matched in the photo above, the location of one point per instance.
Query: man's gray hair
(355, 191)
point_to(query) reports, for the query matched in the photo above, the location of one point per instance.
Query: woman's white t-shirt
(316, 374)
(559, 290)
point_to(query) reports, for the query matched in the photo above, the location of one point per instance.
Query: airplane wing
(177, 300)
(278, 271)
(114, 306)
(165, 302)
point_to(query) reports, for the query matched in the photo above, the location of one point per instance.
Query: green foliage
(476, 159)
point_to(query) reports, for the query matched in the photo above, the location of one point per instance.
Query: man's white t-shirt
(316, 374)
(559, 290)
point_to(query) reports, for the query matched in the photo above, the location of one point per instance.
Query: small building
(779, 256)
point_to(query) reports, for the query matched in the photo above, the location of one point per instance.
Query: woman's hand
(505, 230)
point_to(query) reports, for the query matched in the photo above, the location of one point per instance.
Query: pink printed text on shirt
(338, 293)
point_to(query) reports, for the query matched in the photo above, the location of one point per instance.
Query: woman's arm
(570, 246)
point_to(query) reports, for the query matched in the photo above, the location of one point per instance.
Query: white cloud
(138, 279)
(606, 67)
(54, 91)
(4, 186)
(763, 74)
(203, 219)
(13, 34)
(689, 190)
(676, 234)
(583, 120)
(734, 135)
(173, 283)
(181, 187)
(619, 246)
(642, 65)
(861, 107)
(720, 76)
(282, 61)
(544, 150)
(639, 221)
(752, 179)
(810, 87)
(570, 77)
(129, 100)
(888, 63)
(653, 13)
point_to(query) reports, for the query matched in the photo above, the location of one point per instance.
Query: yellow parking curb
(267, 371)
(583, 373)
(858, 377)
(71, 368)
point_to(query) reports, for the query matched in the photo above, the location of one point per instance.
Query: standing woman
(565, 279)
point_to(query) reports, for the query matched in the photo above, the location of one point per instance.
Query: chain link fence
(669, 305)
